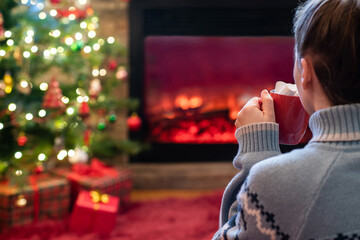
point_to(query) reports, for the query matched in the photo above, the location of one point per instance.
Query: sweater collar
(337, 123)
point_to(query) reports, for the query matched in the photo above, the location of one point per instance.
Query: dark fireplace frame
(197, 18)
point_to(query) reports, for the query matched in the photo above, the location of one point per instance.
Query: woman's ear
(306, 73)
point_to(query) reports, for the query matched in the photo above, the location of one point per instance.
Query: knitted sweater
(309, 193)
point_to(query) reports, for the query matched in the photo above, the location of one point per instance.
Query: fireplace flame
(184, 102)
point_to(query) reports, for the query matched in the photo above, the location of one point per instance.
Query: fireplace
(194, 64)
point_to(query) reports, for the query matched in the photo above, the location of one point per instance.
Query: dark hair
(329, 32)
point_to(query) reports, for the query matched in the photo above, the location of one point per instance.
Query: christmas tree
(56, 88)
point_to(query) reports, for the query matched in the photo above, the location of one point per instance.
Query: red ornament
(87, 134)
(22, 140)
(2, 31)
(39, 169)
(112, 65)
(78, 13)
(55, 1)
(134, 122)
(84, 109)
(53, 95)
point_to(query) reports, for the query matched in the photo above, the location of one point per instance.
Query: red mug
(292, 119)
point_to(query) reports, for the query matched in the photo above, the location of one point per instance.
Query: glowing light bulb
(71, 153)
(42, 15)
(102, 72)
(46, 53)
(2, 52)
(110, 40)
(65, 100)
(34, 49)
(60, 49)
(56, 33)
(91, 34)
(29, 116)
(96, 47)
(26, 54)
(40, 6)
(42, 113)
(53, 12)
(43, 86)
(94, 19)
(24, 83)
(12, 107)
(83, 25)
(78, 36)
(1, 126)
(30, 33)
(101, 41)
(10, 42)
(69, 40)
(28, 39)
(18, 155)
(80, 99)
(42, 157)
(70, 111)
(53, 51)
(95, 72)
(18, 172)
(72, 17)
(86, 98)
(24, 2)
(83, 2)
(87, 49)
(7, 34)
(61, 155)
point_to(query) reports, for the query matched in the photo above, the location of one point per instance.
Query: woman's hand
(257, 110)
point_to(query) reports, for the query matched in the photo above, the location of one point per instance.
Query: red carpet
(175, 219)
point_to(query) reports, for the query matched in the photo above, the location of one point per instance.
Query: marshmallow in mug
(286, 89)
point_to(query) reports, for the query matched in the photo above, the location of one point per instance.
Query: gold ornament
(9, 82)
(97, 197)
(21, 201)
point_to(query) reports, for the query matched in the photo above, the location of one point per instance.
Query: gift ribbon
(96, 169)
(34, 186)
(98, 198)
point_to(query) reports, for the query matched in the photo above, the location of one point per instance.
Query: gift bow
(95, 169)
(97, 197)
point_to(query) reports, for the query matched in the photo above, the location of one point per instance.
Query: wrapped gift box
(45, 197)
(98, 177)
(94, 212)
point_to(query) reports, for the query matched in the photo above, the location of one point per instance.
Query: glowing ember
(211, 130)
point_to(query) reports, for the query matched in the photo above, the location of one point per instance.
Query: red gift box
(94, 212)
(98, 177)
(46, 197)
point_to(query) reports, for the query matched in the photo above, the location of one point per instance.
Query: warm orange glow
(182, 101)
(233, 114)
(195, 102)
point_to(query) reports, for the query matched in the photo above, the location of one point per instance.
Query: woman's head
(328, 32)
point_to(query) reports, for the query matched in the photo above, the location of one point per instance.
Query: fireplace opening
(194, 64)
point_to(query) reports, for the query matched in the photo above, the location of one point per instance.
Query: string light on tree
(12, 107)
(29, 116)
(42, 113)
(8, 80)
(18, 155)
(42, 157)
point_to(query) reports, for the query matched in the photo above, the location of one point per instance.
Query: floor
(142, 195)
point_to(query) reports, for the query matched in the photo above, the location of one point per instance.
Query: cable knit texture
(309, 193)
